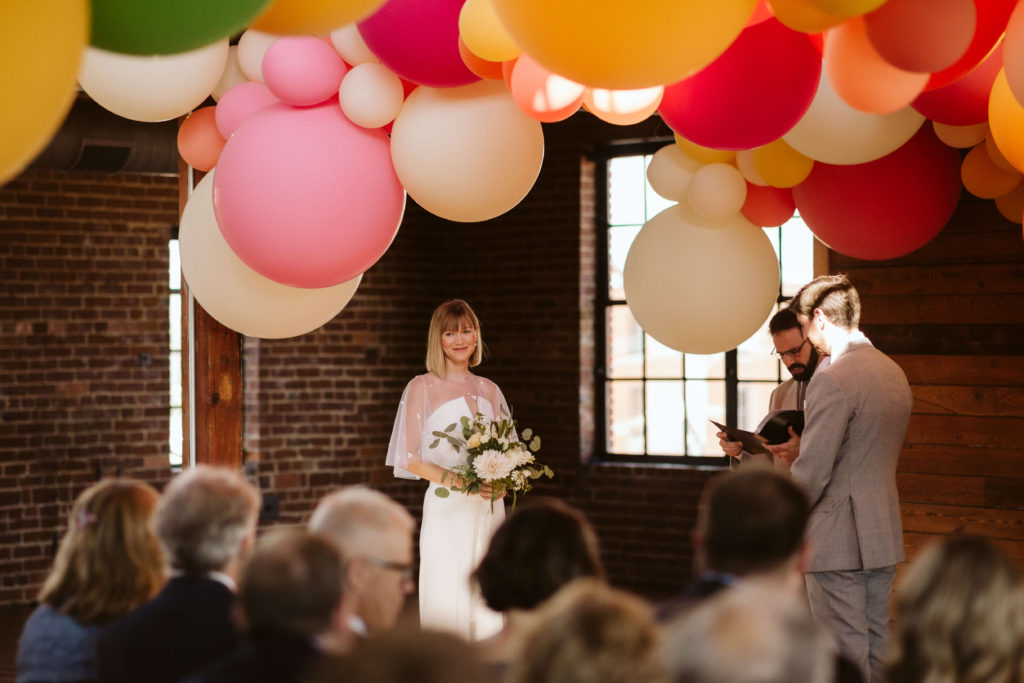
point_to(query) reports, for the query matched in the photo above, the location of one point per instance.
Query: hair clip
(84, 518)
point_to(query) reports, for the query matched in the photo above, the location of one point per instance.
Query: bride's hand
(486, 491)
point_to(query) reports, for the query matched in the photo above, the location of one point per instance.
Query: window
(654, 403)
(174, 283)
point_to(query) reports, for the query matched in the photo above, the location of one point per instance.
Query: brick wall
(83, 351)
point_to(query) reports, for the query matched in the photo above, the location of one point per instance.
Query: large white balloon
(670, 171)
(236, 295)
(697, 286)
(152, 88)
(351, 46)
(252, 47)
(834, 132)
(466, 153)
(232, 75)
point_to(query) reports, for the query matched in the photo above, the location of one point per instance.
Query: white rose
(474, 440)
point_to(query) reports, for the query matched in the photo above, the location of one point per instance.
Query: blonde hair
(451, 315)
(960, 617)
(109, 562)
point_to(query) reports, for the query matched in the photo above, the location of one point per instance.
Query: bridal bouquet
(494, 455)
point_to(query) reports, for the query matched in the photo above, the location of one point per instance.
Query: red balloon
(992, 18)
(419, 41)
(768, 206)
(885, 208)
(752, 94)
(963, 102)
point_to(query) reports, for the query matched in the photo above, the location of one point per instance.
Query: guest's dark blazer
(185, 627)
(269, 658)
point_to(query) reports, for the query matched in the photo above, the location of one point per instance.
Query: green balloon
(160, 27)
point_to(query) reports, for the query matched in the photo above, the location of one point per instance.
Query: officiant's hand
(788, 451)
(731, 448)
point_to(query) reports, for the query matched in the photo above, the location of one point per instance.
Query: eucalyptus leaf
(433, 444)
(441, 492)
(548, 472)
(527, 434)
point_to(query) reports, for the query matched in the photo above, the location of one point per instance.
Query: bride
(456, 530)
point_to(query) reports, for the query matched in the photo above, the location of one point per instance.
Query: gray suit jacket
(856, 415)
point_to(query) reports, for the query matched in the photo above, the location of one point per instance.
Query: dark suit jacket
(270, 658)
(186, 626)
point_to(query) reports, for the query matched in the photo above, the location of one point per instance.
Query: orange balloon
(961, 137)
(481, 67)
(623, 107)
(848, 8)
(1006, 121)
(983, 178)
(803, 15)
(297, 17)
(1011, 205)
(705, 155)
(780, 165)
(541, 94)
(861, 77)
(995, 154)
(199, 141)
(922, 35)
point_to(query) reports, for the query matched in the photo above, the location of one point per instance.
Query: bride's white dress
(455, 530)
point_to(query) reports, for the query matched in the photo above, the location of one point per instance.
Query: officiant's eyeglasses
(404, 569)
(792, 353)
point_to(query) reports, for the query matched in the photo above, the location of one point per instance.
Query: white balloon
(700, 287)
(748, 169)
(835, 133)
(152, 87)
(717, 192)
(232, 75)
(670, 171)
(466, 153)
(236, 295)
(252, 46)
(371, 95)
(351, 46)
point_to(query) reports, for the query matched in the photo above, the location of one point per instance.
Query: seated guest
(293, 606)
(589, 633)
(374, 535)
(960, 616)
(748, 634)
(206, 521)
(109, 562)
(539, 548)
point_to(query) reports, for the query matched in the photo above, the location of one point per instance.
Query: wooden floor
(11, 621)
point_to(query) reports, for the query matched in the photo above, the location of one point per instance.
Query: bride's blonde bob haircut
(449, 316)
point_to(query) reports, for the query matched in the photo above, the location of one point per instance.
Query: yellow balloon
(299, 17)
(1012, 205)
(782, 166)
(1006, 121)
(803, 15)
(40, 52)
(960, 137)
(624, 45)
(705, 155)
(484, 34)
(848, 8)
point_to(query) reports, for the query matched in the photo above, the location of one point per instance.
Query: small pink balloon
(239, 103)
(302, 70)
(419, 41)
(307, 198)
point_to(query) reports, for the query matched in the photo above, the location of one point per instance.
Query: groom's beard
(803, 373)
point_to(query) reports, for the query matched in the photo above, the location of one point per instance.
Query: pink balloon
(307, 198)
(302, 70)
(752, 94)
(239, 103)
(963, 102)
(419, 41)
(887, 207)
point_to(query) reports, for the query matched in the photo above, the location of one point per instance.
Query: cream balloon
(717, 192)
(231, 77)
(466, 153)
(670, 171)
(152, 88)
(252, 46)
(371, 95)
(834, 132)
(748, 167)
(351, 46)
(700, 287)
(236, 295)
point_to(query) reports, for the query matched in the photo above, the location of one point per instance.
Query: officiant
(801, 359)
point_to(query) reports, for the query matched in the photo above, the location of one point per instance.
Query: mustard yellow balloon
(782, 166)
(484, 34)
(1006, 121)
(803, 15)
(848, 8)
(705, 155)
(621, 45)
(982, 178)
(299, 17)
(40, 52)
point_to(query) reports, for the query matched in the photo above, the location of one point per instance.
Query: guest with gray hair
(206, 522)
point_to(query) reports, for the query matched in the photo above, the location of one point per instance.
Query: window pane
(624, 343)
(626, 183)
(175, 322)
(619, 241)
(175, 361)
(175, 438)
(701, 366)
(704, 401)
(665, 418)
(661, 360)
(753, 357)
(753, 400)
(625, 417)
(174, 270)
(797, 256)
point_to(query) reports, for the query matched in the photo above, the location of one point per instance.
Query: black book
(773, 430)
